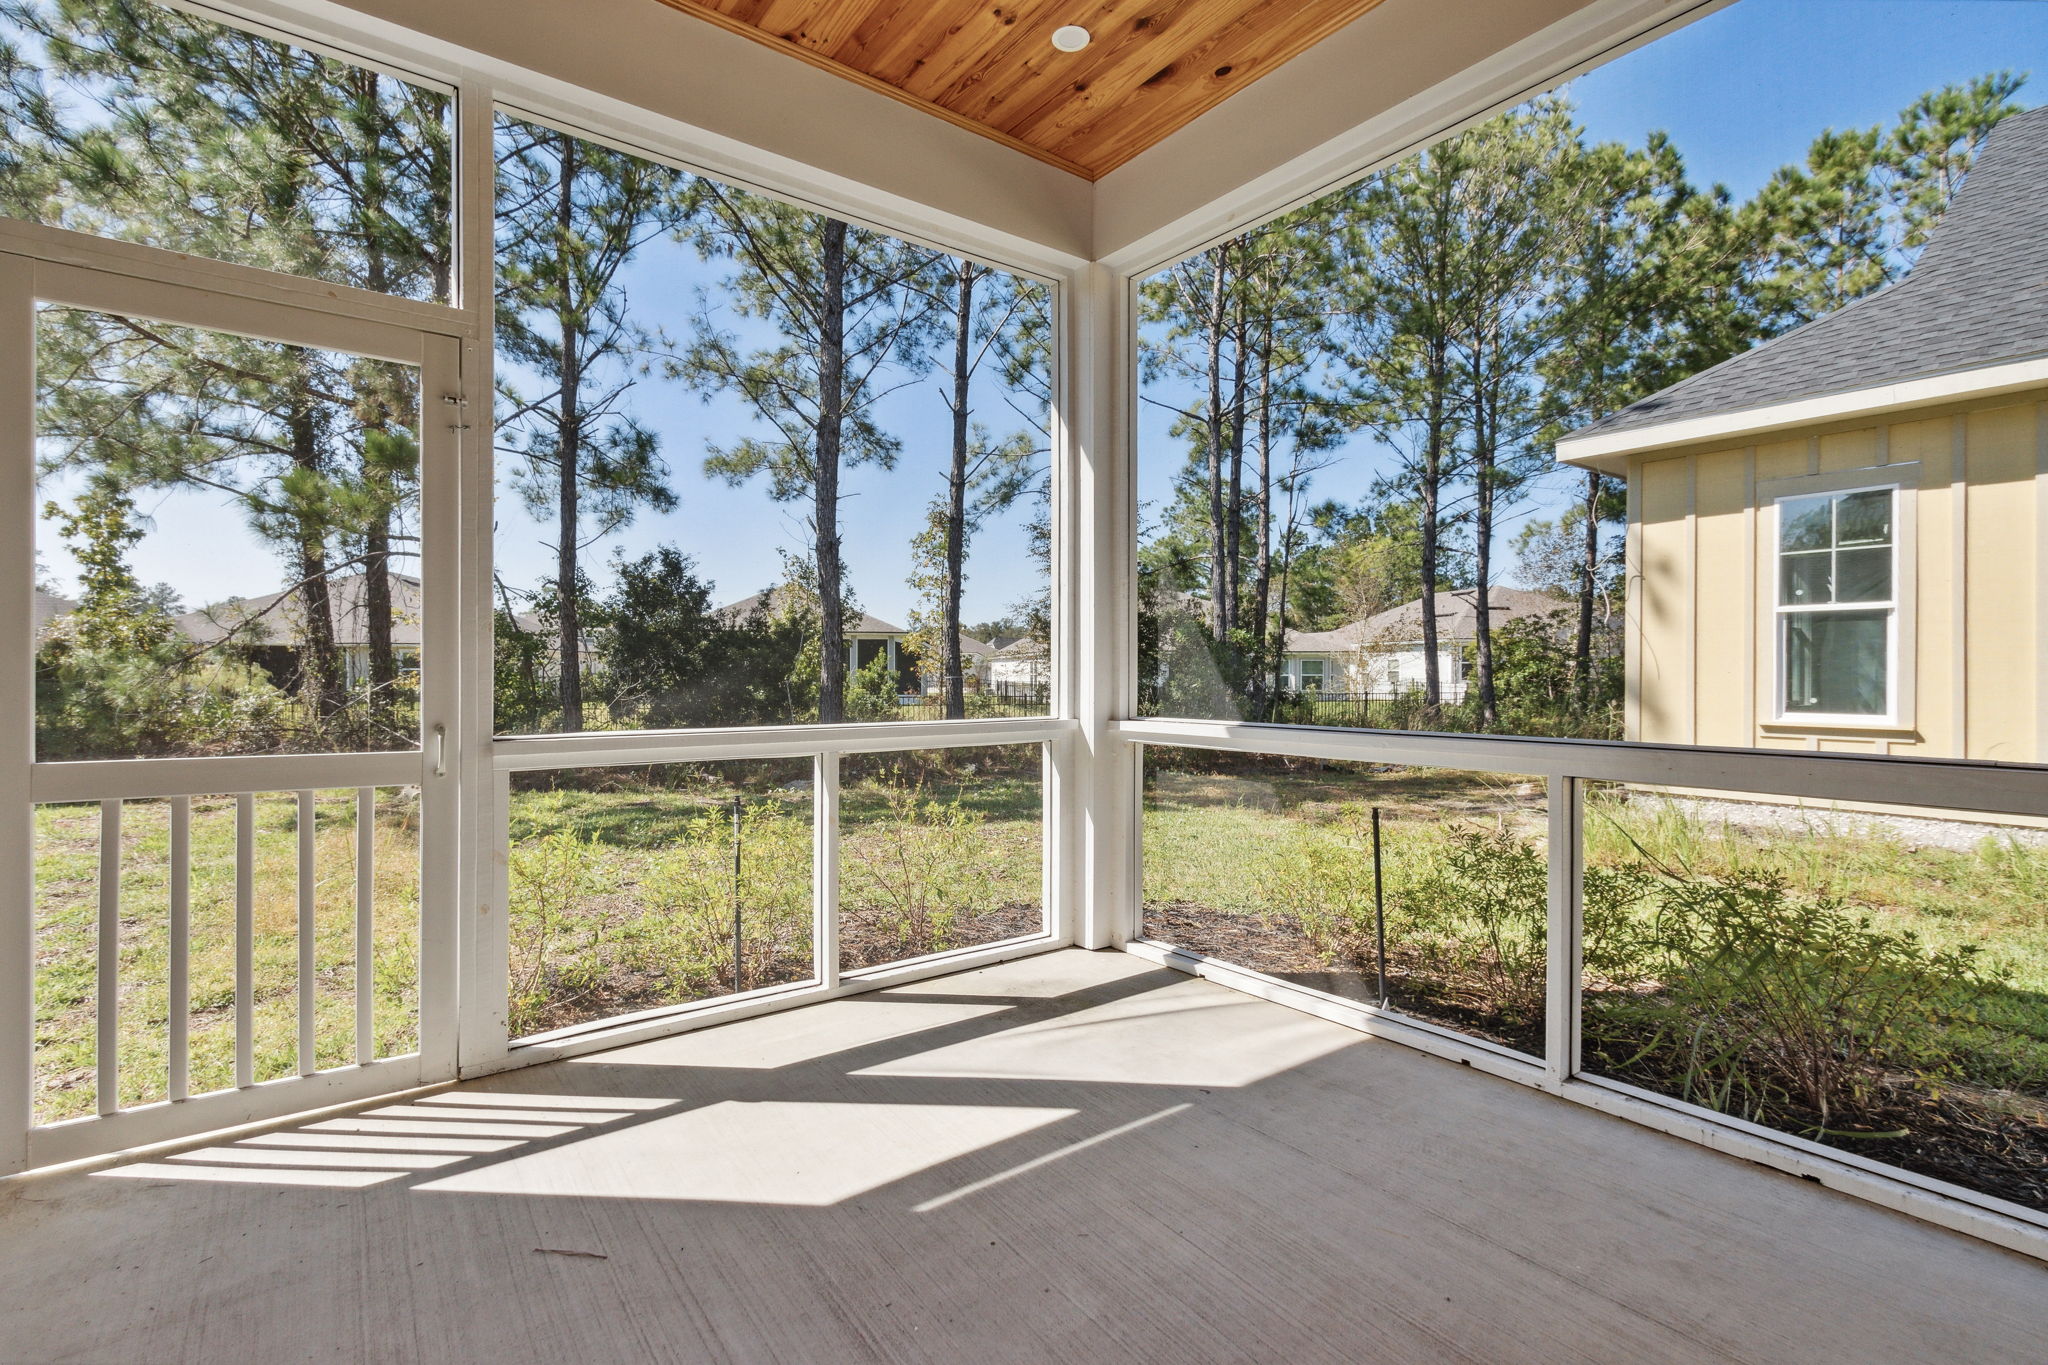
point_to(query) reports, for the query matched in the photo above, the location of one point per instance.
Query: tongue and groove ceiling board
(990, 66)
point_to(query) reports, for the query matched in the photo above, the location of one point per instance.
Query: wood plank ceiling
(990, 66)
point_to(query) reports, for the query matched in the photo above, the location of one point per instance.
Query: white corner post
(1102, 603)
(1565, 939)
(17, 710)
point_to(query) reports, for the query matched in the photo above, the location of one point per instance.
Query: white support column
(1102, 687)
(448, 809)
(1566, 937)
(17, 709)
(481, 895)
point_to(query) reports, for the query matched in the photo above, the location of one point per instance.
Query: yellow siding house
(1835, 539)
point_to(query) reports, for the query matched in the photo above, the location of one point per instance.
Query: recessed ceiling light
(1070, 38)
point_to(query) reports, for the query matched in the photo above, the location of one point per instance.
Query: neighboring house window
(1308, 675)
(1394, 674)
(1837, 613)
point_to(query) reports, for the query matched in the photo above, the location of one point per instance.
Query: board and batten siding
(1702, 648)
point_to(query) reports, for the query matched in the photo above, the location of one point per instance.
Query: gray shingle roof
(1977, 296)
(276, 618)
(48, 607)
(867, 625)
(1457, 620)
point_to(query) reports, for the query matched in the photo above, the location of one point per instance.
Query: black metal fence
(995, 699)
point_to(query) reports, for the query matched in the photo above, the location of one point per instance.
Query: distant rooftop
(1457, 620)
(1977, 296)
(867, 625)
(276, 618)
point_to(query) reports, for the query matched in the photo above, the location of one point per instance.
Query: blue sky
(1741, 92)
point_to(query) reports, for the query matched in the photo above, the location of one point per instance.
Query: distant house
(1023, 664)
(1383, 655)
(867, 638)
(272, 628)
(47, 609)
(1835, 540)
(974, 656)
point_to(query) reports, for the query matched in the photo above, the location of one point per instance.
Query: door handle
(440, 751)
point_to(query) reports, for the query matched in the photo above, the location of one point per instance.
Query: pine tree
(848, 321)
(571, 215)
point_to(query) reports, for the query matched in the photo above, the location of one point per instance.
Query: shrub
(685, 931)
(913, 869)
(557, 952)
(1750, 999)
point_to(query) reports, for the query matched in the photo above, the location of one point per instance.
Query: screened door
(235, 680)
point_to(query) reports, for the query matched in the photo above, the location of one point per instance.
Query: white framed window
(1836, 605)
(1309, 674)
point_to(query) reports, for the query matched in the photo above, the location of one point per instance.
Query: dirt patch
(1994, 1141)
(1277, 945)
(874, 942)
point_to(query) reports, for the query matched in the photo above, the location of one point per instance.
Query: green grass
(67, 891)
(622, 887)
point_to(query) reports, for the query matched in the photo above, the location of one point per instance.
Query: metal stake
(1379, 906)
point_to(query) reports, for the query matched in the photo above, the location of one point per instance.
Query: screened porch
(702, 680)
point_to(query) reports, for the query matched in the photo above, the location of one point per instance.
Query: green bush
(153, 698)
(1751, 1000)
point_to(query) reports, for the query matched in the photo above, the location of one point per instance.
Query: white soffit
(738, 108)
(1609, 451)
(1400, 75)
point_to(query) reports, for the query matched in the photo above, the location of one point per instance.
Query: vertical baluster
(245, 939)
(306, 888)
(366, 927)
(181, 945)
(107, 996)
(825, 870)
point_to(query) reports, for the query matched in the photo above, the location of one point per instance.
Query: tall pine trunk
(1262, 570)
(319, 657)
(1436, 438)
(1219, 574)
(955, 687)
(1485, 460)
(569, 452)
(1233, 509)
(831, 420)
(1589, 575)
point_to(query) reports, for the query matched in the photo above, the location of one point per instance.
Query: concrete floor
(1074, 1157)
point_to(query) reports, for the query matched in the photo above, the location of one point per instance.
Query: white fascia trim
(1596, 34)
(1608, 452)
(356, 35)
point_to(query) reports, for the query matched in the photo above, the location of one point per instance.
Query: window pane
(1270, 863)
(1864, 518)
(1346, 479)
(229, 542)
(1863, 575)
(695, 563)
(1803, 578)
(939, 849)
(1835, 662)
(1805, 523)
(637, 888)
(136, 121)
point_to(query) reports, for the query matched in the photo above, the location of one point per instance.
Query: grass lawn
(623, 890)
(67, 895)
